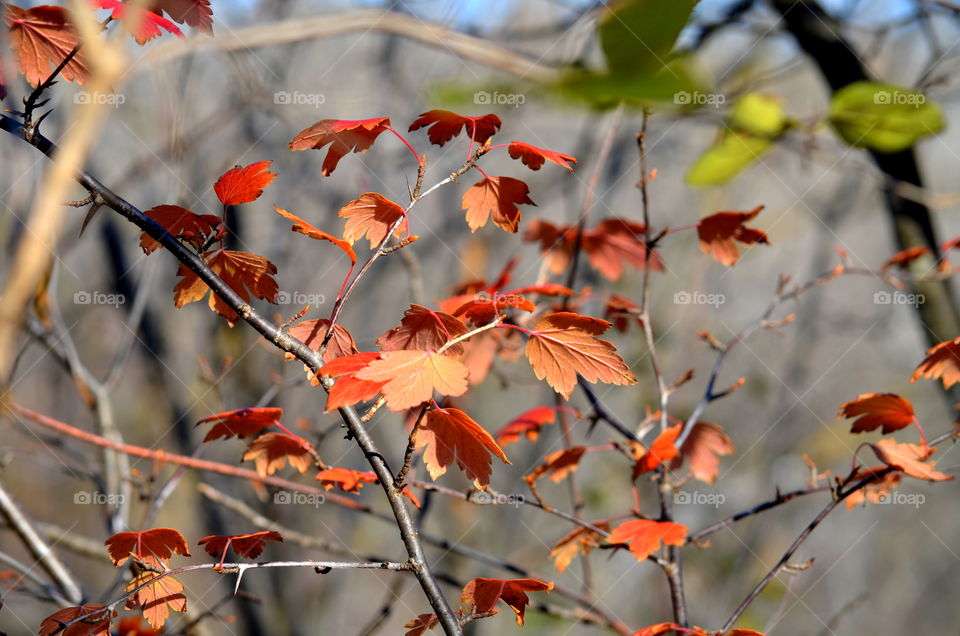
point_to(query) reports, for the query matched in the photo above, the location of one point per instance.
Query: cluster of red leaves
(609, 246)
(42, 37)
(270, 451)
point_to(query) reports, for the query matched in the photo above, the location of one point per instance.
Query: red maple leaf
(942, 362)
(558, 464)
(154, 547)
(445, 125)
(248, 546)
(701, 451)
(144, 25)
(241, 422)
(243, 272)
(346, 479)
(342, 135)
(662, 449)
(483, 594)
(410, 378)
(498, 196)
(97, 622)
(272, 451)
(644, 536)
(910, 459)
(156, 597)
(185, 225)
(874, 410)
(450, 435)
(534, 157)
(348, 388)
(527, 424)
(424, 329)
(243, 185)
(718, 232)
(196, 13)
(372, 215)
(42, 38)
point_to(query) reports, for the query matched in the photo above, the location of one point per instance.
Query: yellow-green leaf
(727, 158)
(883, 117)
(758, 114)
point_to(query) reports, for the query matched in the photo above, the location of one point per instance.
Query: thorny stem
(411, 446)
(407, 528)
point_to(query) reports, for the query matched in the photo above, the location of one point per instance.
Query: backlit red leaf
(248, 546)
(644, 536)
(144, 25)
(718, 233)
(498, 196)
(196, 13)
(875, 410)
(342, 135)
(424, 329)
(701, 451)
(158, 596)
(42, 38)
(241, 422)
(580, 540)
(372, 215)
(243, 185)
(445, 125)
(563, 345)
(411, 377)
(348, 389)
(243, 272)
(910, 459)
(559, 464)
(482, 309)
(482, 594)
(942, 362)
(272, 451)
(419, 625)
(450, 435)
(661, 450)
(534, 157)
(346, 479)
(299, 225)
(154, 547)
(527, 424)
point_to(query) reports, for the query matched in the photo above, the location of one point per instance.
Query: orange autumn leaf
(563, 344)
(419, 625)
(153, 547)
(533, 157)
(42, 37)
(450, 435)
(874, 410)
(444, 125)
(372, 215)
(701, 451)
(272, 451)
(718, 232)
(312, 332)
(424, 329)
(144, 25)
(644, 536)
(305, 228)
(342, 135)
(157, 597)
(243, 272)
(621, 311)
(348, 389)
(558, 465)
(661, 450)
(241, 422)
(134, 626)
(904, 258)
(346, 479)
(410, 377)
(910, 459)
(96, 624)
(484, 309)
(580, 540)
(183, 224)
(497, 196)
(244, 184)
(874, 492)
(942, 362)
(196, 13)
(248, 546)
(527, 424)
(482, 594)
